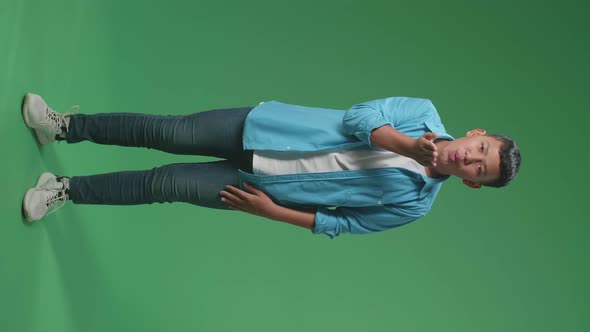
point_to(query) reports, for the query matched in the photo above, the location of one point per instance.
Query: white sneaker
(48, 192)
(46, 122)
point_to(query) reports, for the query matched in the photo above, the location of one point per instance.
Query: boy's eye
(481, 148)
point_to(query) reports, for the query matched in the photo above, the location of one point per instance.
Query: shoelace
(58, 119)
(53, 199)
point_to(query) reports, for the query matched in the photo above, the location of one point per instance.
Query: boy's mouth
(453, 156)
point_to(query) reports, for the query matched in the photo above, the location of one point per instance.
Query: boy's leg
(195, 183)
(215, 133)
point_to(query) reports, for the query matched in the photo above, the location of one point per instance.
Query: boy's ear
(472, 184)
(476, 131)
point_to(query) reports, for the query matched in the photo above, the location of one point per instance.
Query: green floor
(514, 259)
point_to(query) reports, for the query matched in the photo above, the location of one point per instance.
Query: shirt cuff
(322, 224)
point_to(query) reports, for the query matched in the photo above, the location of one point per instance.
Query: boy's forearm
(388, 138)
(302, 218)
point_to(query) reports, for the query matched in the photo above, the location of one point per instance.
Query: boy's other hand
(424, 151)
(253, 201)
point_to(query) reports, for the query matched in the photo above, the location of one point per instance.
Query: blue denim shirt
(355, 201)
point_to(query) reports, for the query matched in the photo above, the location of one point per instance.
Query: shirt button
(379, 202)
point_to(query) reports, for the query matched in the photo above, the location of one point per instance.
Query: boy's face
(474, 158)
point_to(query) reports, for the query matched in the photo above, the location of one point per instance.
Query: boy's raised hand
(425, 151)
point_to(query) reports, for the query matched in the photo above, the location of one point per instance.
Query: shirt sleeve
(361, 220)
(363, 118)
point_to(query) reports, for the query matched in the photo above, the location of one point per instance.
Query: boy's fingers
(238, 192)
(229, 196)
(429, 145)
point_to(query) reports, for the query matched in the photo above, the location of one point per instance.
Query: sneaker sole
(26, 205)
(26, 103)
(41, 139)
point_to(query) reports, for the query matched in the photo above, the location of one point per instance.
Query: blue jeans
(215, 133)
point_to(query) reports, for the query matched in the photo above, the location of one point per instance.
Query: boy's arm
(255, 201)
(358, 220)
(363, 220)
(302, 218)
(423, 149)
(374, 123)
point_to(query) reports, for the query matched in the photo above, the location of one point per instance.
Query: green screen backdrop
(512, 259)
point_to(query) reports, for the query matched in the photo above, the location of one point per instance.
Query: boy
(376, 166)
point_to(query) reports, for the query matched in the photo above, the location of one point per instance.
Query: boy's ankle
(66, 182)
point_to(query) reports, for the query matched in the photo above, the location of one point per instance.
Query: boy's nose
(469, 158)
